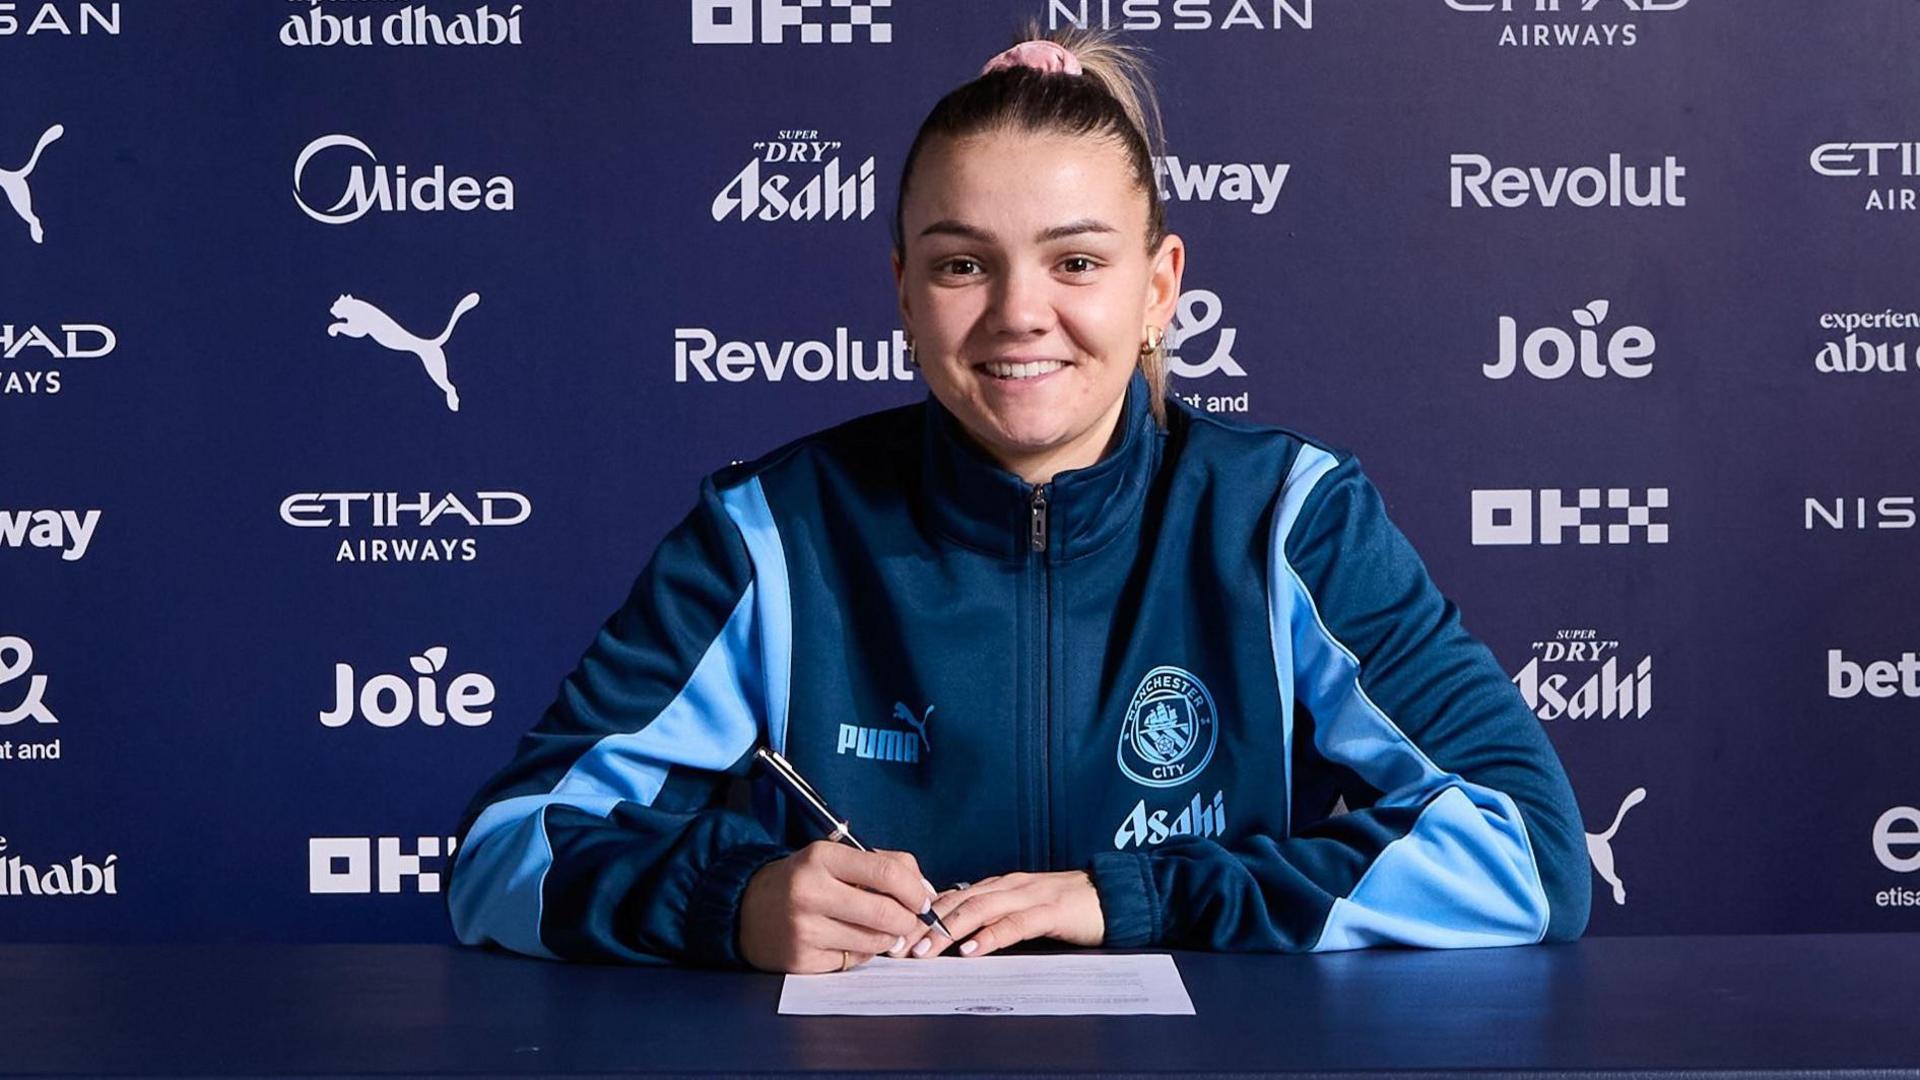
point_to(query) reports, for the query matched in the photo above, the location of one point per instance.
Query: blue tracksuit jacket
(1165, 669)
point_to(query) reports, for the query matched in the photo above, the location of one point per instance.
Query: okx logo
(1505, 516)
(19, 195)
(746, 22)
(359, 319)
(365, 864)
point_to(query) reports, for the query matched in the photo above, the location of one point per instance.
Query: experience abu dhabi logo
(1169, 732)
(415, 25)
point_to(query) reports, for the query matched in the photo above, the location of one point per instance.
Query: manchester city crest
(1169, 733)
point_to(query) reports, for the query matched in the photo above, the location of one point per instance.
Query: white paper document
(1053, 985)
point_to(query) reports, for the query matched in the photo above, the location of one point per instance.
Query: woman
(1052, 632)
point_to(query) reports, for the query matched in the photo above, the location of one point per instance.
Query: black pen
(837, 826)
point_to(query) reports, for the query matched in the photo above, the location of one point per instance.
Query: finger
(869, 910)
(831, 935)
(1021, 925)
(894, 873)
(974, 910)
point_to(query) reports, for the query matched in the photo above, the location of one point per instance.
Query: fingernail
(929, 886)
(899, 943)
(921, 949)
(969, 947)
(926, 905)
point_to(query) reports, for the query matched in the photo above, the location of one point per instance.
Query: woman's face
(1027, 287)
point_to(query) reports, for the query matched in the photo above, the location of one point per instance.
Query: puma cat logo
(15, 185)
(1600, 848)
(361, 319)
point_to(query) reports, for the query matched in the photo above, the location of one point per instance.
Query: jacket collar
(970, 499)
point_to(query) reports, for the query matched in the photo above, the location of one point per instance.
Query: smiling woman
(1135, 675)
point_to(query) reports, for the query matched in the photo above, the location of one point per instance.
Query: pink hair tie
(1040, 55)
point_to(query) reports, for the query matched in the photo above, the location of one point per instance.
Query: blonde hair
(1112, 98)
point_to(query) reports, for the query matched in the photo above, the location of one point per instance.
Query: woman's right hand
(800, 911)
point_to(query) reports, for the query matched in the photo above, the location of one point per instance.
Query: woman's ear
(1163, 282)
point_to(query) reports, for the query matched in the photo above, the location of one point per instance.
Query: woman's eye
(1079, 264)
(959, 266)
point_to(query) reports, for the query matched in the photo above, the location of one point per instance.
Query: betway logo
(68, 531)
(1250, 183)
(1878, 678)
(698, 350)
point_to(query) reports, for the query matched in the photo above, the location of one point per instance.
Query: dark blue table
(1822, 1005)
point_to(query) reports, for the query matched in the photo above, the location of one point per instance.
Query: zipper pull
(1037, 530)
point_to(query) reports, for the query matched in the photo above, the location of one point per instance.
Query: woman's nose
(1022, 303)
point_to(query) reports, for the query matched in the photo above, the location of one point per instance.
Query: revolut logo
(1256, 185)
(1507, 516)
(1568, 23)
(1875, 161)
(360, 319)
(14, 183)
(413, 25)
(1181, 14)
(1477, 182)
(58, 19)
(1575, 675)
(1864, 353)
(1875, 678)
(371, 186)
(362, 865)
(746, 22)
(391, 515)
(78, 876)
(31, 350)
(700, 355)
(1552, 353)
(388, 701)
(1860, 513)
(70, 532)
(797, 177)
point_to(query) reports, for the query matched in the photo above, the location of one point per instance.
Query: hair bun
(1041, 55)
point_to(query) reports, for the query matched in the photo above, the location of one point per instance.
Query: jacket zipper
(1037, 544)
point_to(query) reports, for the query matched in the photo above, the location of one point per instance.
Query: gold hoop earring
(911, 358)
(1152, 344)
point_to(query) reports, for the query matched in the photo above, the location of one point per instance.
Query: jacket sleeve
(604, 838)
(1469, 834)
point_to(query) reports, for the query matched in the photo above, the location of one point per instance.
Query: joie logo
(1878, 678)
(58, 19)
(393, 190)
(1607, 692)
(1254, 184)
(414, 25)
(1181, 14)
(1505, 516)
(1861, 513)
(825, 191)
(388, 510)
(1563, 23)
(1586, 186)
(14, 183)
(888, 744)
(1144, 829)
(1600, 846)
(1550, 352)
(390, 701)
(66, 341)
(699, 351)
(78, 876)
(31, 704)
(360, 319)
(1873, 159)
(732, 22)
(69, 532)
(359, 864)
(1855, 354)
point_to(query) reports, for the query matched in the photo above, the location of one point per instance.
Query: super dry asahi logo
(797, 177)
(1577, 676)
(415, 25)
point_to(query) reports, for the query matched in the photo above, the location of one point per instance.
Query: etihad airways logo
(1845, 160)
(392, 511)
(392, 190)
(1564, 23)
(63, 341)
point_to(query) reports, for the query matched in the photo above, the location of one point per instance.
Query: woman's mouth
(1016, 370)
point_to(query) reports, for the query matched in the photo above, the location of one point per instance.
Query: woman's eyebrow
(950, 227)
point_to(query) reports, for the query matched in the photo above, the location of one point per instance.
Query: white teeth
(1024, 371)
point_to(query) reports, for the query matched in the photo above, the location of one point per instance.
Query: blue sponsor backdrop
(198, 477)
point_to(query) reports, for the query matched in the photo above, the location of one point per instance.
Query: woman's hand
(999, 911)
(799, 912)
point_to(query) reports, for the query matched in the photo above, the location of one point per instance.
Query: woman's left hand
(999, 911)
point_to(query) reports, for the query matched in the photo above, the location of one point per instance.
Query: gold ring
(846, 959)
